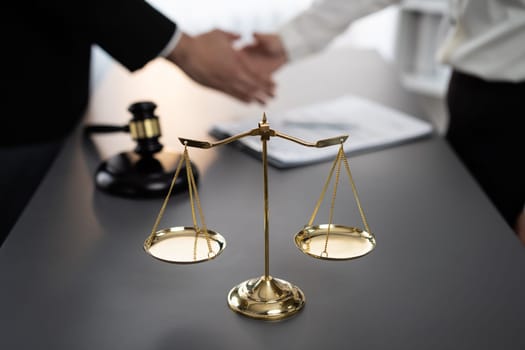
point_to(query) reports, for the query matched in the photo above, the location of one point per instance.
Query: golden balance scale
(265, 297)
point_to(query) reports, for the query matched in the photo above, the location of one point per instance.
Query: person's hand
(266, 54)
(211, 60)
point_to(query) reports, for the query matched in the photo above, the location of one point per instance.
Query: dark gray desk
(446, 274)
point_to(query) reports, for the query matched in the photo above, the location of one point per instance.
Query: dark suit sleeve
(132, 31)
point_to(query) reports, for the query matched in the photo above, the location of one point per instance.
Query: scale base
(266, 298)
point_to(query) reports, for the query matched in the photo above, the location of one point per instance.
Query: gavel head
(144, 128)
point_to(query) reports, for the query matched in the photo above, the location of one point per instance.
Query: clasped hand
(246, 74)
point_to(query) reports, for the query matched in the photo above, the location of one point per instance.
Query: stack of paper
(368, 124)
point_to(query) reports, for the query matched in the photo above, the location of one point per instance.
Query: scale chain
(164, 204)
(354, 190)
(323, 192)
(193, 188)
(340, 155)
(190, 189)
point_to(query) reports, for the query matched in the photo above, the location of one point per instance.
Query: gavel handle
(98, 128)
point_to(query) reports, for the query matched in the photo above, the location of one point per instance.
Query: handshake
(246, 73)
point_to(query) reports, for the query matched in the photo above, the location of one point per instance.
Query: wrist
(181, 52)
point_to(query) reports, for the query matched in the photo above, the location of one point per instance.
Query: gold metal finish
(185, 245)
(174, 244)
(266, 297)
(266, 213)
(345, 242)
(319, 144)
(336, 242)
(146, 128)
(265, 131)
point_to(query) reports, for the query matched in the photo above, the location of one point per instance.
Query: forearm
(316, 27)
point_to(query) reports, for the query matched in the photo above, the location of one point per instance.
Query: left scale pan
(184, 245)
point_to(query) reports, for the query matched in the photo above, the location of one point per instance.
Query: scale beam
(265, 132)
(319, 144)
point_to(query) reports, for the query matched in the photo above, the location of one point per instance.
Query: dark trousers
(21, 170)
(487, 131)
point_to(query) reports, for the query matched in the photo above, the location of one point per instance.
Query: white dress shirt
(486, 37)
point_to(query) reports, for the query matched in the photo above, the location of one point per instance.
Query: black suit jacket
(49, 44)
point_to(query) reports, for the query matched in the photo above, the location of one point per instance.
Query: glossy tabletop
(447, 273)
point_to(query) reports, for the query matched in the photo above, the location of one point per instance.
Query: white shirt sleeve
(487, 39)
(172, 43)
(314, 28)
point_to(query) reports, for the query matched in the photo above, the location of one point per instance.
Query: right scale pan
(334, 242)
(330, 241)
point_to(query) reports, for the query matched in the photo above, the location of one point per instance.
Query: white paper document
(369, 125)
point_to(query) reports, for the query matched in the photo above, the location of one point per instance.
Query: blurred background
(405, 35)
(244, 17)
